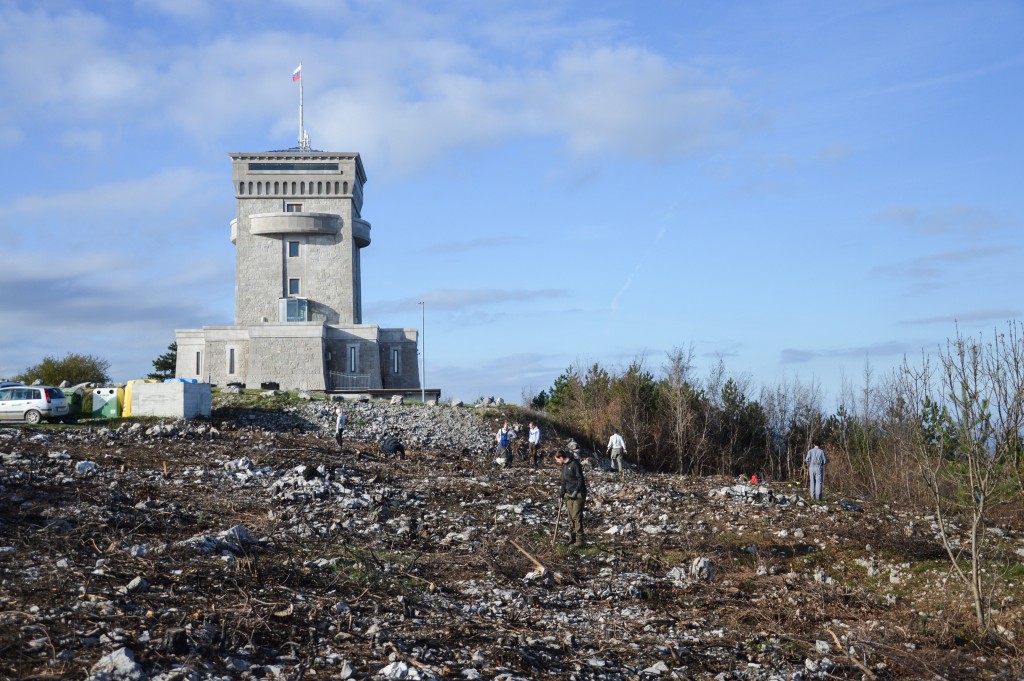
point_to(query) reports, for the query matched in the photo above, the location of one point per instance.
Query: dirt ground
(201, 564)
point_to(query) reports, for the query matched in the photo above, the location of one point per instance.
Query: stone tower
(297, 236)
(298, 292)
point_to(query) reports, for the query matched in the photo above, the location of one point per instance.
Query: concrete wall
(190, 342)
(291, 355)
(175, 400)
(404, 341)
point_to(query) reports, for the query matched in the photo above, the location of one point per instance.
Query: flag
(297, 73)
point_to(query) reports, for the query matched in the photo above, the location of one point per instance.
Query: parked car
(32, 403)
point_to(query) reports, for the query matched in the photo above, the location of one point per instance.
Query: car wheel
(33, 416)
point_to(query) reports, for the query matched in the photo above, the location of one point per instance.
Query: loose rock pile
(247, 547)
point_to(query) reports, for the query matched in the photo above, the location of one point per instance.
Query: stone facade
(298, 293)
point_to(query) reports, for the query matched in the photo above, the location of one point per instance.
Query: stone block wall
(291, 355)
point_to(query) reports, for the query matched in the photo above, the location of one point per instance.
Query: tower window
(293, 249)
(353, 359)
(293, 310)
(231, 361)
(293, 287)
(199, 364)
(396, 363)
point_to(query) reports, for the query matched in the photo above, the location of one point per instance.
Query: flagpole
(301, 128)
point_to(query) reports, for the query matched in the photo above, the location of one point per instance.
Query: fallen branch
(860, 665)
(539, 565)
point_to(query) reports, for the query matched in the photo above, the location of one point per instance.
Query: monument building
(299, 322)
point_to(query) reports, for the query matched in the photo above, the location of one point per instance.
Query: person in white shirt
(533, 442)
(339, 427)
(816, 461)
(617, 447)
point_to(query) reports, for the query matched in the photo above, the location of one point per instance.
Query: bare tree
(967, 439)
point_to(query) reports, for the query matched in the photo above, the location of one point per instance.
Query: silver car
(32, 403)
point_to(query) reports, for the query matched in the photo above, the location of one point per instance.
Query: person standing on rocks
(617, 447)
(816, 461)
(339, 427)
(534, 442)
(573, 492)
(504, 438)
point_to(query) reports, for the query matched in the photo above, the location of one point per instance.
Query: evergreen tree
(166, 364)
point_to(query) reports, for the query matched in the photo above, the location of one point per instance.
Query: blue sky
(793, 188)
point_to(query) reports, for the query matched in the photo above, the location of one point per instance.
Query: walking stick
(558, 518)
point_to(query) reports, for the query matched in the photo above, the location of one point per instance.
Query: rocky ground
(213, 550)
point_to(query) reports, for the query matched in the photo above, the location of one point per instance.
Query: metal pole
(300, 106)
(423, 352)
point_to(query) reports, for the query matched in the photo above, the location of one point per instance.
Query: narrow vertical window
(335, 187)
(277, 187)
(293, 249)
(293, 188)
(352, 359)
(344, 187)
(293, 287)
(199, 364)
(241, 187)
(395, 366)
(250, 189)
(231, 361)
(319, 187)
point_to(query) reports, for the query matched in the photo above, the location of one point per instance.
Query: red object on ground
(753, 479)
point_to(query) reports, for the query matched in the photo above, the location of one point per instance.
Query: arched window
(335, 187)
(294, 191)
(344, 187)
(319, 187)
(241, 187)
(277, 189)
(259, 189)
(250, 188)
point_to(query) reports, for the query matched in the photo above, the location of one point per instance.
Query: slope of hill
(212, 550)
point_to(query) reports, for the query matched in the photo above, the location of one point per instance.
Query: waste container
(106, 402)
(75, 396)
(126, 397)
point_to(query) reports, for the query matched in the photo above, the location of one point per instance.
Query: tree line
(676, 421)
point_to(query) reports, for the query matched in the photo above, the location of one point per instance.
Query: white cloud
(181, 9)
(957, 219)
(462, 299)
(881, 349)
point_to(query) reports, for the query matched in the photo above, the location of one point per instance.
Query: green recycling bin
(106, 403)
